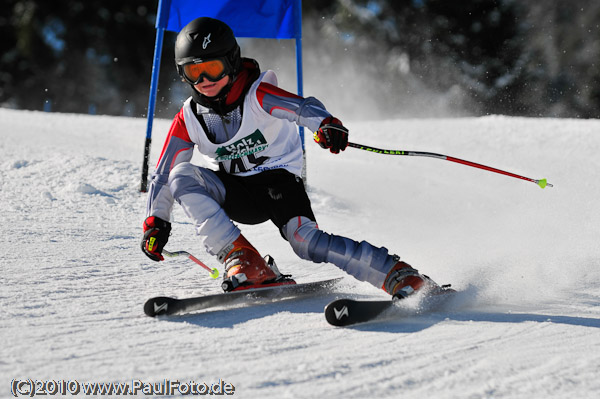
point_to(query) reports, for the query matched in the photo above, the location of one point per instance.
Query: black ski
(345, 312)
(159, 306)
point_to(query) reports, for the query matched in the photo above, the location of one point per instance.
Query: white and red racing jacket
(263, 137)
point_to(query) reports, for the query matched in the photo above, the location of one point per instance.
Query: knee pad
(182, 179)
(299, 232)
(187, 178)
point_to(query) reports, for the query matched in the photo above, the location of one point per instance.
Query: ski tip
(159, 306)
(346, 312)
(337, 313)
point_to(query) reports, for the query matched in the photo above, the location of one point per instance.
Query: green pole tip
(214, 273)
(544, 183)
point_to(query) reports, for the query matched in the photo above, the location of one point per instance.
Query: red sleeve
(308, 112)
(266, 89)
(179, 131)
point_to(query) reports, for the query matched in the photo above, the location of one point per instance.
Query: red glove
(332, 134)
(156, 235)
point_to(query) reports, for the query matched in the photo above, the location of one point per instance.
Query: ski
(159, 306)
(346, 312)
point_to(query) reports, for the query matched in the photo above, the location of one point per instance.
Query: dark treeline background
(378, 58)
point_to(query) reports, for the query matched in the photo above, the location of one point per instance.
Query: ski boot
(403, 281)
(245, 268)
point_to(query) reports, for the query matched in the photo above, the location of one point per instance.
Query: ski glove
(156, 235)
(332, 134)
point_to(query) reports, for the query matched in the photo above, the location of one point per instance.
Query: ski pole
(214, 272)
(542, 182)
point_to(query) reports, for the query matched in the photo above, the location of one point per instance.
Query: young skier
(241, 120)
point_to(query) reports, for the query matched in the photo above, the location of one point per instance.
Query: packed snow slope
(526, 323)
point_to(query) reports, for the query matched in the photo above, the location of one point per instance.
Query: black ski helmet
(204, 39)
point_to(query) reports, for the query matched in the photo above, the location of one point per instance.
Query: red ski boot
(245, 266)
(403, 280)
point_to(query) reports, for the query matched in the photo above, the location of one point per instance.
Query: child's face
(211, 89)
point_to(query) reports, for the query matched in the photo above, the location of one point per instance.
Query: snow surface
(527, 261)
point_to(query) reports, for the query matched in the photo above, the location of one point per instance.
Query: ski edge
(166, 306)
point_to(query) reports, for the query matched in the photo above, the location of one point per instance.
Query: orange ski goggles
(213, 70)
